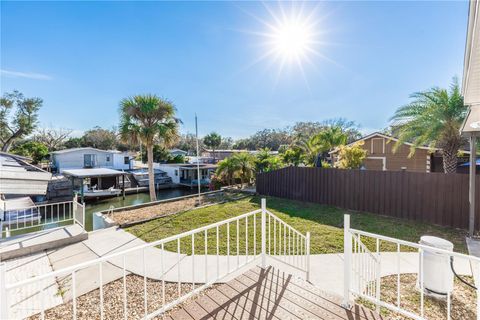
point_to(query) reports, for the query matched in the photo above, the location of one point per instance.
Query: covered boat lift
(471, 94)
(98, 173)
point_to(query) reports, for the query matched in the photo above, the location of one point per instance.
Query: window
(126, 160)
(108, 158)
(89, 160)
(176, 173)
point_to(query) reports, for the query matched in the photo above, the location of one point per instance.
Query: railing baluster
(238, 244)
(246, 239)
(74, 295)
(284, 242)
(145, 294)
(206, 258)
(254, 236)
(163, 275)
(228, 247)
(218, 256)
(193, 261)
(269, 237)
(100, 266)
(124, 288)
(178, 268)
(398, 275)
(274, 237)
(421, 283)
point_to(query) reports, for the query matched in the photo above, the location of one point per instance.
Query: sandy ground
(463, 299)
(172, 207)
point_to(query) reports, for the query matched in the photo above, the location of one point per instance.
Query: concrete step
(34, 242)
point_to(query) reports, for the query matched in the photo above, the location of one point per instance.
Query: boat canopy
(92, 173)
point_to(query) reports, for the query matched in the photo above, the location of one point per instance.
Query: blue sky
(83, 58)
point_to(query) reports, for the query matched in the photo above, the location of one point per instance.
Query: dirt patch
(463, 299)
(171, 207)
(88, 305)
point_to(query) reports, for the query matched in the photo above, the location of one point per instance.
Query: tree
(433, 118)
(75, 142)
(311, 151)
(293, 156)
(266, 138)
(52, 138)
(227, 169)
(32, 149)
(18, 117)
(330, 138)
(227, 143)
(351, 157)
(100, 138)
(265, 161)
(148, 119)
(188, 142)
(213, 141)
(246, 166)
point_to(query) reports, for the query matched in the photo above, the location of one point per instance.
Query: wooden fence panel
(435, 198)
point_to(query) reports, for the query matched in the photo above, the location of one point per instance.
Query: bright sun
(292, 39)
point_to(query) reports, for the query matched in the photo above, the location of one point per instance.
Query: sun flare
(292, 39)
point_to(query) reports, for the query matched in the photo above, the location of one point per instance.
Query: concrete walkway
(326, 269)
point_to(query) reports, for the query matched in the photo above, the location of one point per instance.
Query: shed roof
(84, 149)
(91, 173)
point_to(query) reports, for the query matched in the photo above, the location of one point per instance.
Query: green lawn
(325, 224)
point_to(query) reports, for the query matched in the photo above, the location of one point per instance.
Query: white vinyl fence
(34, 218)
(363, 272)
(234, 242)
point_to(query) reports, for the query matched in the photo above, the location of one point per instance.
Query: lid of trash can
(436, 242)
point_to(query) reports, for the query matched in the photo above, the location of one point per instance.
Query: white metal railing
(41, 216)
(362, 271)
(243, 239)
(287, 245)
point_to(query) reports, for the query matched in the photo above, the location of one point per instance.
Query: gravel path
(88, 305)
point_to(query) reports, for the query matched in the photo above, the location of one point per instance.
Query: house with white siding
(79, 158)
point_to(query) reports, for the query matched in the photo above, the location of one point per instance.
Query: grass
(325, 224)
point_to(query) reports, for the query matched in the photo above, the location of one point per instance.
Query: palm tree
(227, 169)
(212, 140)
(433, 118)
(246, 166)
(330, 138)
(148, 119)
(311, 150)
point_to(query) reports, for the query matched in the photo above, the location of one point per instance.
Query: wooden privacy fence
(435, 198)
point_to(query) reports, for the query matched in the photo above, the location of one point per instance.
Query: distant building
(186, 173)
(380, 155)
(79, 158)
(178, 152)
(225, 153)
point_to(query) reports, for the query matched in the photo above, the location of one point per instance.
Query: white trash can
(437, 273)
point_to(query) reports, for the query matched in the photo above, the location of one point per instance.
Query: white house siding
(173, 171)
(74, 159)
(119, 161)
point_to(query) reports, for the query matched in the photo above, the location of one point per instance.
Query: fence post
(83, 217)
(264, 236)
(74, 208)
(307, 242)
(347, 259)
(3, 292)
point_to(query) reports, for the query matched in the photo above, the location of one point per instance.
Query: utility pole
(198, 159)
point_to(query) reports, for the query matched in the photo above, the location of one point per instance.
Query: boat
(141, 177)
(94, 193)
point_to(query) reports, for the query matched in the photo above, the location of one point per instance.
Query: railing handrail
(126, 251)
(37, 206)
(286, 224)
(415, 245)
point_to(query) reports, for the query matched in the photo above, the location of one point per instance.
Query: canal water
(131, 199)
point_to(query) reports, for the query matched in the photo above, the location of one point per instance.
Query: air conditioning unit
(437, 274)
